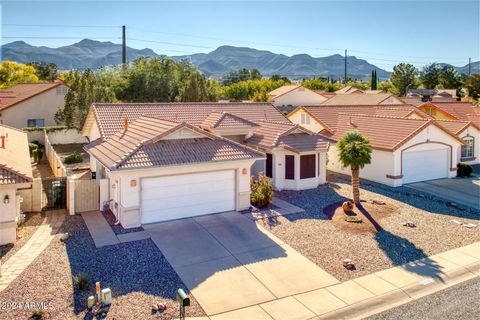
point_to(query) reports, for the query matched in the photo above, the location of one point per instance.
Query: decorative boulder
(348, 264)
(409, 224)
(347, 206)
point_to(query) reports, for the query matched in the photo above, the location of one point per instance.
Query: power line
(61, 38)
(171, 43)
(57, 26)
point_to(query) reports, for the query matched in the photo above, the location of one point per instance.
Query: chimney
(125, 126)
(3, 141)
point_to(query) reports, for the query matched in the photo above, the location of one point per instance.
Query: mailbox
(182, 298)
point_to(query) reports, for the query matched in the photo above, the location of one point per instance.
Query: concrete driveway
(464, 191)
(228, 262)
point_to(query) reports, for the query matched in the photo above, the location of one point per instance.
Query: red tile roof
(456, 127)
(385, 133)
(15, 166)
(144, 144)
(21, 92)
(110, 117)
(464, 111)
(288, 136)
(356, 99)
(224, 120)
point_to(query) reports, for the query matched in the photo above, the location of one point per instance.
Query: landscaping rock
(409, 224)
(353, 219)
(379, 202)
(348, 264)
(451, 204)
(347, 206)
(65, 237)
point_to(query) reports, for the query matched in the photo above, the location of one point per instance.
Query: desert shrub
(37, 314)
(75, 157)
(464, 170)
(262, 191)
(82, 281)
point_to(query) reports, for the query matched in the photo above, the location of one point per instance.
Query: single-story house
(295, 95)
(469, 132)
(322, 119)
(358, 99)
(349, 90)
(32, 105)
(463, 111)
(15, 174)
(157, 154)
(405, 150)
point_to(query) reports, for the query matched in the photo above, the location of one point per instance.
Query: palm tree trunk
(356, 185)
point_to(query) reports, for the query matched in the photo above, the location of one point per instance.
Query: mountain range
(96, 54)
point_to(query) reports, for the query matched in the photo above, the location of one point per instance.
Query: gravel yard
(118, 229)
(136, 272)
(31, 224)
(314, 235)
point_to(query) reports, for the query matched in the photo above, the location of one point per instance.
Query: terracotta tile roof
(288, 136)
(385, 133)
(218, 119)
(349, 90)
(21, 92)
(15, 165)
(456, 127)
(458, 110)
(328, 115)
(282, 90)
(146, 144)
(110, 117)
(357, 99)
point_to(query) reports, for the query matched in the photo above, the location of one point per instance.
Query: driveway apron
(228, 262)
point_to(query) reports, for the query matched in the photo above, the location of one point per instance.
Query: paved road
(458, 302)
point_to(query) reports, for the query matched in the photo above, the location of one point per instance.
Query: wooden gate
(87, 195)
(54, 193)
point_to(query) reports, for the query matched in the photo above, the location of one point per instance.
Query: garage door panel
(175, 197)
(425, 165)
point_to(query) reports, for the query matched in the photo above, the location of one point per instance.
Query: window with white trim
(467, 148)
(305, 118)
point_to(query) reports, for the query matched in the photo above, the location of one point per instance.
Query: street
(461, 301)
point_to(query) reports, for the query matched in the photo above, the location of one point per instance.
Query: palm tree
(354, 152)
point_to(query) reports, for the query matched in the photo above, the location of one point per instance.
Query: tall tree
(12, 73)
(403, 78)
(44, 70)
(430, 75)
(373, 81)
(449, 78)
(354, 152)
(473, 86)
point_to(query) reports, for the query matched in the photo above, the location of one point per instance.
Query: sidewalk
(372, 293)
(16, 264)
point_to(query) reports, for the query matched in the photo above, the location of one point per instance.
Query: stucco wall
(66, 136)
(299, 98)
(43, 106)
(8, 213)
(128, 197)
(314, 126)
(471, 132)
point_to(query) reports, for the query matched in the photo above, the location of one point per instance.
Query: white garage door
(181, 196)
(425, 165)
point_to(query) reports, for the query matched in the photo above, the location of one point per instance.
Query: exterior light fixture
(6, 199)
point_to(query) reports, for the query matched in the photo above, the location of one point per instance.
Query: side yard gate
(87, 195)
(54, 193)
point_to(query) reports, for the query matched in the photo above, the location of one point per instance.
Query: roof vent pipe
(125, 125)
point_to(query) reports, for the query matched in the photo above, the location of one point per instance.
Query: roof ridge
(380, 116)
(12, 170)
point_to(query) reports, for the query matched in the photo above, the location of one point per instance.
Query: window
(305, 118)
(36, 123)
(307, 166)
(290, 167)
(467, 148)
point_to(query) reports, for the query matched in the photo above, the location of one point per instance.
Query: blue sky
(382, 32)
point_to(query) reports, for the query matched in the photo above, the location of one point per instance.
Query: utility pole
(469, 65)
(124, 46)
(345, 66)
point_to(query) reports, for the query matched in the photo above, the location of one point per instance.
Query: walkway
(17, 263)
(228, 262)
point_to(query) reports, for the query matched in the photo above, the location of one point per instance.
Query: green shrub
(75, 157)
(37, 314)
(82, 281)
(262, 192)
(464, 170)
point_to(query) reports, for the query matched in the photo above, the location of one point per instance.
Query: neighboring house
(15, 173)
(405, 150)
(463, 111)
(172, 160)
(363, 99)
(295, 95)
(420, 96)
(408, 145)
(349, 90)
(32, 105)
(321, 119)
(469, 132)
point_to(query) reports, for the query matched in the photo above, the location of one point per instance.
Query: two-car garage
(180, 196)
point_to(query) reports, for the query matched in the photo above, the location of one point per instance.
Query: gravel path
(31, 224)
(317, 238)
(457, 302)
(136, 272)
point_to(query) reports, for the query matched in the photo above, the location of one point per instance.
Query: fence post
(71, 195)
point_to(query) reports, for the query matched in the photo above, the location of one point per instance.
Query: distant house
(349, 90)
(31, 105)
(420, 96)
(462, 111)
(295, 95)
(363, 99)
(15, 173)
